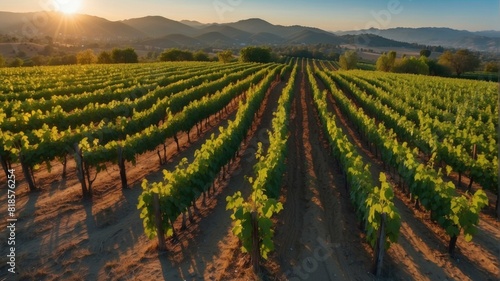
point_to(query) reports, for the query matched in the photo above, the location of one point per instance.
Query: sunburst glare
(68, 6)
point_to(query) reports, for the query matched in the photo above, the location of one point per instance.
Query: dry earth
(59, 236)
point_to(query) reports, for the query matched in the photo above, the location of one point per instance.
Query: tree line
(88, 56)
(447, 64)
(50, 55)
(129, 55)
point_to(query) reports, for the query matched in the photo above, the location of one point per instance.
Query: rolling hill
(214, 39)
(255, 25)
(193, 23)
(266, 38)
(160, 32)
(56, 25)
(173, 41)
(438, 36)
(313, 37)
(156, 26)
(372, 40)
(229, 31)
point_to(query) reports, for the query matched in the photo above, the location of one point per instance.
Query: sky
(331, 15)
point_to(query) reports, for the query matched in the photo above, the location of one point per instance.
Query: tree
(47, 50)
(225, 56)
(86, 57)
(349, 60)
(69, 59)
(176, 55)
(382, 63)
(461, 61)
(333, 56)
(425, 53)
(411, 65)
(17, 62)
(50, 40)
(54, 61)
(150, 55)
(124, 56)
(39, 60)
(491, 67)
(386, 62)
(343, 62)
(104, 58)
(301, 53)
(201, 56)
(437, 69)
(392, 57)
(255, 54)
(21, 54)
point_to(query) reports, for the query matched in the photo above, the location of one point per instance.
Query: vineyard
(241, 171)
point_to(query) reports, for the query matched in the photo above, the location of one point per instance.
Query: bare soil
(421, 251)
(59, 236)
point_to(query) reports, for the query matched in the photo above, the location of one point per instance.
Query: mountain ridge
(243, 32)
(437, 36)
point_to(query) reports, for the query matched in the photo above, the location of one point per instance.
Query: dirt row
(421, 251)
(317, 235)
(62, 237)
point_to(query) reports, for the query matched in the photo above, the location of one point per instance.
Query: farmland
(107, 158)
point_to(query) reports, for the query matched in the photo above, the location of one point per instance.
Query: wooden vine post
(474, 157)
(27, 172)
(159, 223)
(80, 172)
(497, 205)
(27, 169)
(452, 245)
(5, 165)
(255, 256)
(64, 161)
(380, 247)
(121, 165)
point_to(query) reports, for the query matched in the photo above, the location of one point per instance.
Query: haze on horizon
(330, 15)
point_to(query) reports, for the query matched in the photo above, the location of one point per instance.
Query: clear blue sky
(331, 15)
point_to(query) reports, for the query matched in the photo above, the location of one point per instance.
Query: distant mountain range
(160, 32)
(438, 36)
(58, 25)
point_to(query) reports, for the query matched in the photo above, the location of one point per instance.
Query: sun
(68, 6)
